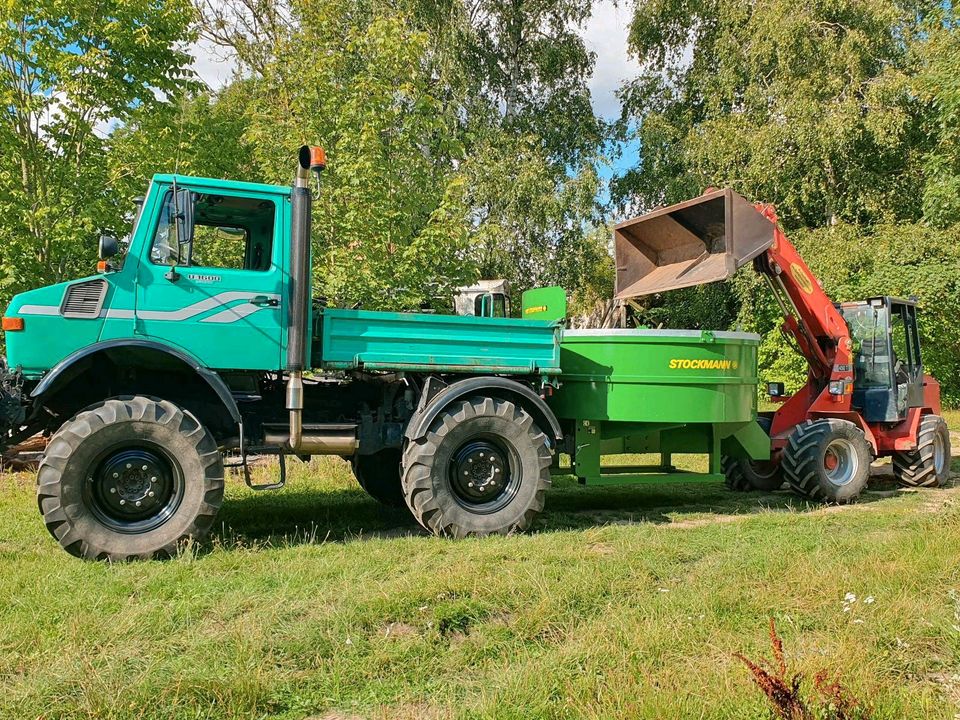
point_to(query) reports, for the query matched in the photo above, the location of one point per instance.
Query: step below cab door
(212, 283)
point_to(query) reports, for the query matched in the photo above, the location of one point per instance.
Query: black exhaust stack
(301, 205)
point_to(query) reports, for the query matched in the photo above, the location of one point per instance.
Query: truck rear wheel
(827, 460)
(743, 475)
(379, 475)
(482, 468)
(130, 478)
(929, 464)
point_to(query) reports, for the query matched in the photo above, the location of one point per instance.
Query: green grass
(624, 602)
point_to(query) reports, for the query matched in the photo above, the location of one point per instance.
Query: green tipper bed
(438, 343)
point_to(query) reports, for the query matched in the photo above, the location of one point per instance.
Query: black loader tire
(482, 468)
(743, 475)
(128, 451)
(827, 460)
(929, 464)
(379, 475)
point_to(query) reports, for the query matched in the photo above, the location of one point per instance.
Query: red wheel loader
(866, 394)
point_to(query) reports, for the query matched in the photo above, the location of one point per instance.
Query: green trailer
(202, 346)
(639, 392)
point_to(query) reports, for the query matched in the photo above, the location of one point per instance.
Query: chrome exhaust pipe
(332, 439)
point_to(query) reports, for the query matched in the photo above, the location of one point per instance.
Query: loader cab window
(872, 361)
(490, 305)
(234, 233)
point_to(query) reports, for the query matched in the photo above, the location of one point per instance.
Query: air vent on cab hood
(84, 299)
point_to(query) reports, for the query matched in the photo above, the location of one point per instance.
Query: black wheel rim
(134, 488)
(484, 474)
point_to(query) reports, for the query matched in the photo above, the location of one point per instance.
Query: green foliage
(802, 104)
(937, 84)
(468, 124)
(68, 70)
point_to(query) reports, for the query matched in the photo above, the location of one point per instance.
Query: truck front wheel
(130, 478)
(482, 468)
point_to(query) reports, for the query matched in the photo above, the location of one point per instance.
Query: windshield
(871, 350)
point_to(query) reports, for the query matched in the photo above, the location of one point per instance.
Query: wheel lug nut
(469, 484)
(116, 475)
(113, 489)
(151, 493)
(123, 502)
(137, 503)
(144, 468)
(153, 479)
(129, 465)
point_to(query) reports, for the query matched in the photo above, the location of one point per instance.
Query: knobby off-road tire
(827, 460)
(482, 468)
(743, 475)
(929, 464)
(129, 478)
(379, 475)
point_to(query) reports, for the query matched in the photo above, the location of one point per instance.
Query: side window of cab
(227, 232)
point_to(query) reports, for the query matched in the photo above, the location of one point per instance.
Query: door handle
(264, 301)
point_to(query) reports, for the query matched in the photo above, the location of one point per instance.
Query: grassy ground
(624, 602)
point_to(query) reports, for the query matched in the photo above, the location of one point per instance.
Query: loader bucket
(694, 242)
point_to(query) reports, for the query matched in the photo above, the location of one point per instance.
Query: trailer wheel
(827, 460)
(929, 464)
(743, 475)
(379, 475)
(129, 478)
(482, 468)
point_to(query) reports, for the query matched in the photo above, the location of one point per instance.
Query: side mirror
(183, 204)
(108, 247)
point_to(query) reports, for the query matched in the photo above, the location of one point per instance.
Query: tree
(802, 104)
(69, 70)
(478, 113)
(937, 85)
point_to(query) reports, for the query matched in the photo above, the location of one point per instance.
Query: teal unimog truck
(205, 347)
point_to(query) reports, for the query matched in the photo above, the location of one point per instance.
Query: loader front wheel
(929, 464)
(379, 475)
(827, 460)
(482, 468)
(129, 478)
(743, 475)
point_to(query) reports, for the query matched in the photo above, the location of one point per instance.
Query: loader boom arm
(816, 325)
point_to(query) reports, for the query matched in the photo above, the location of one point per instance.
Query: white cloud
(212, 64)
(606, 34)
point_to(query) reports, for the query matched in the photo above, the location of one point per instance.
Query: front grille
(84, 299)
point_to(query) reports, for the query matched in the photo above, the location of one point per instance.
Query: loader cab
(888, 369)
(487, 298)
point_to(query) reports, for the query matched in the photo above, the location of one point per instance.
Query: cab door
(219, 295)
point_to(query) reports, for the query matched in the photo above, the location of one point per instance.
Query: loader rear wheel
(743, 475)
(379, 474)
(827, 460)
(929, 464)
(129, 478)
(482, 468)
